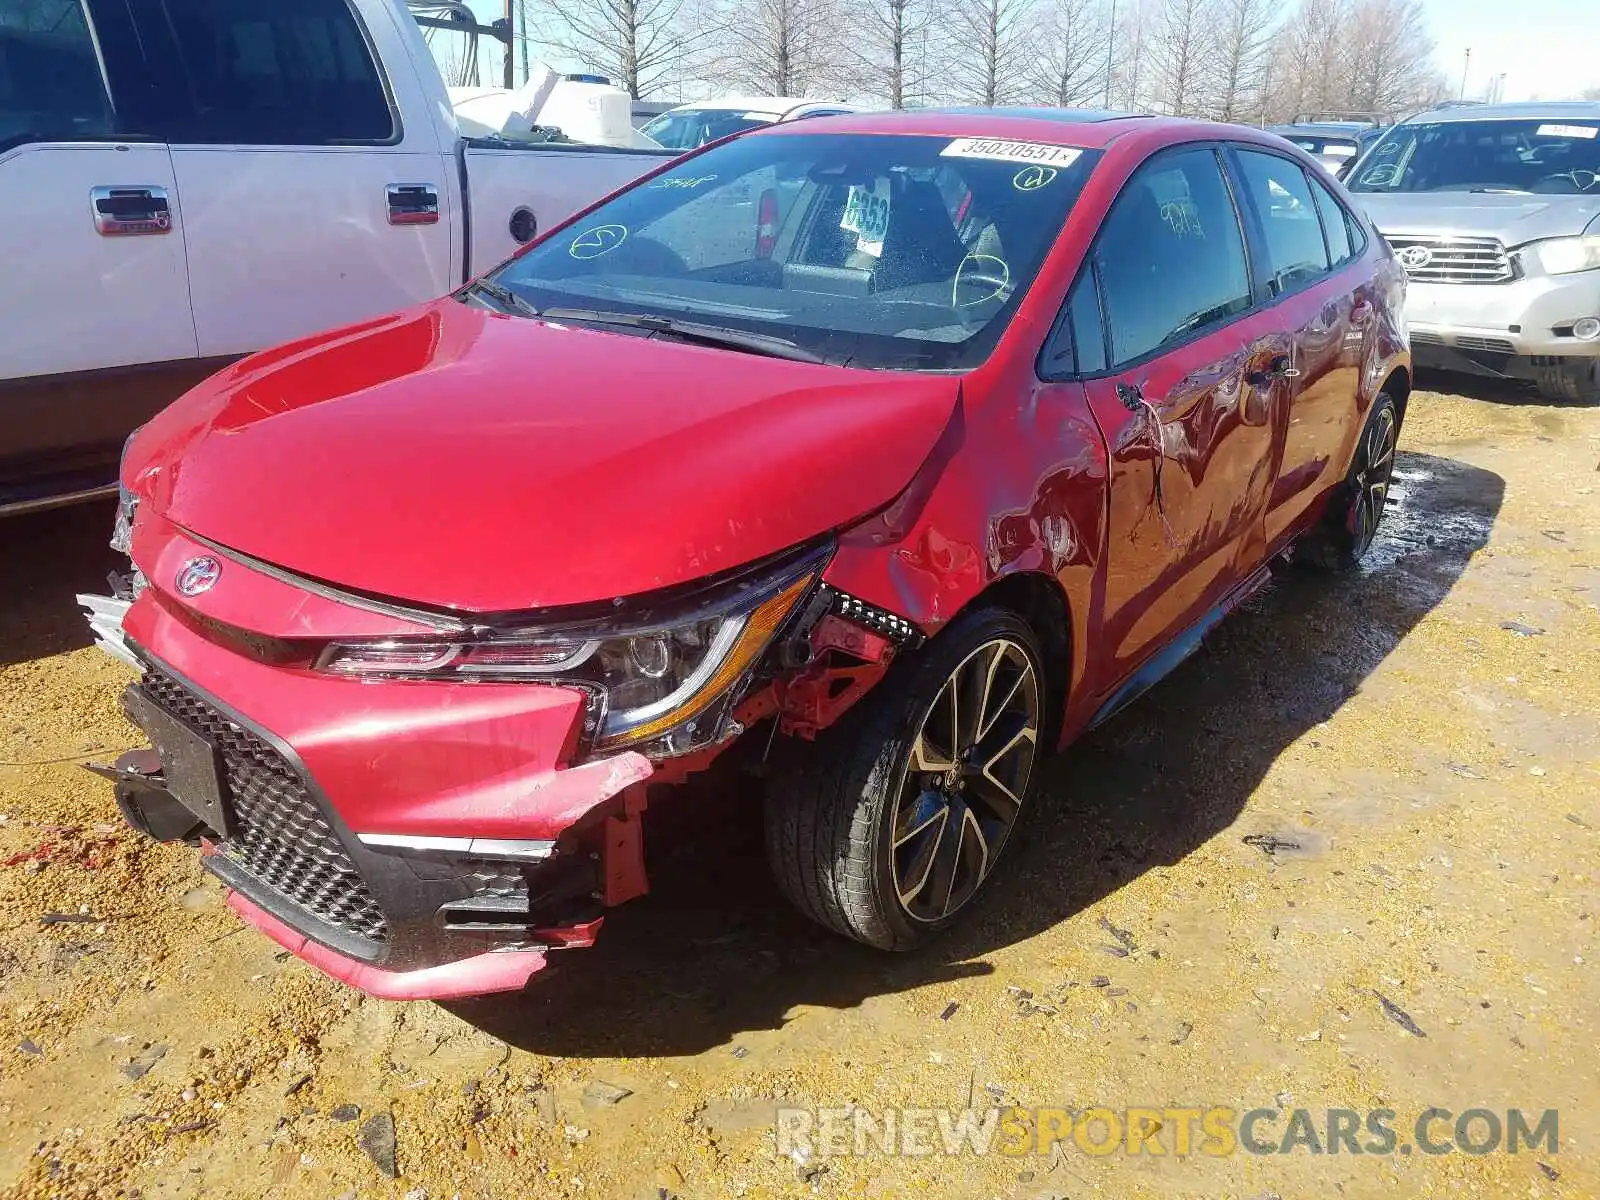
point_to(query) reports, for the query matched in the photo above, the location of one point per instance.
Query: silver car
(1494, 211)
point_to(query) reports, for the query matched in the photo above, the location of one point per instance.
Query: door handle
(413, 204)
(1281, 367)
(130, 211)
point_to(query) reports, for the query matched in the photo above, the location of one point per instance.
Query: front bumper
(1523, 318)
(413, 840)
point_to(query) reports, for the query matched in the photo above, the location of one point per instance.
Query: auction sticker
(1568, 131)
(1041, 153)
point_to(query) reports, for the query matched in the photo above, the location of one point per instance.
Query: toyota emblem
(198, 575)
(1414, 258)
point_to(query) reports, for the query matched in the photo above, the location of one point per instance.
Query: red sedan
(904, 447)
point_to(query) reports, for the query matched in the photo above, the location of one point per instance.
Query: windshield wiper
(1499, 191)
(503, 297)
(692, 331)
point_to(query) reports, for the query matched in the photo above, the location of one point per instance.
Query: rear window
(295, 72)
(693, 128)
(888, 251)
(1535, 157)
(1296, 253)
(51, 88)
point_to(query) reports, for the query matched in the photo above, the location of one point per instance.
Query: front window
(689, 129)
(50, 82)
(879, 251)
(1532, 157)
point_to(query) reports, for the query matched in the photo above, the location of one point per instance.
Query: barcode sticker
(1041, 153)
(1569, 131)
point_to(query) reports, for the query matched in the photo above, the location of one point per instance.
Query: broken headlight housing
(127, 504)
(660, 679)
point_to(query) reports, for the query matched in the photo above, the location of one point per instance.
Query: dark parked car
(903, 490)
(1335, 144)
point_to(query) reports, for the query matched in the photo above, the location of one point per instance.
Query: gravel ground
(1345, 858)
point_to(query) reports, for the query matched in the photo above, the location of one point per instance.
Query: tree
(1070, 40)
(641, 45)
(1240, 42)
(1179, 46)
(892, 32)
(983, 53)
(782, 47)
(1390, 56)
(1309, 50)
(1132, 46)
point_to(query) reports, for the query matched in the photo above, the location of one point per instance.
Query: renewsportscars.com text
(1217, 1132)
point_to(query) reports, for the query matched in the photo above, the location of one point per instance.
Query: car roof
(1320, 129)
(775, 106)
(1583, 110)
(1089, 129)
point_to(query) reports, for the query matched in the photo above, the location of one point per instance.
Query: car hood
(1515, 220)
(457, 458)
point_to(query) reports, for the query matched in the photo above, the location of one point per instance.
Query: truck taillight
(767, 224)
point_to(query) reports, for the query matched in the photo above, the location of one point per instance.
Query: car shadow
(1487, 388)
(714, 951)
(48, 558)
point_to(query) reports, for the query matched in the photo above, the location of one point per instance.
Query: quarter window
(51, 88)
(295, 72)
(1171, 256)
(1295, 250)
(1335, 223)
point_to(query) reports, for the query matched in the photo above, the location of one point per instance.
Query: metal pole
(511, 52)
(522, 14)
(1465, 67)
(1111, 48)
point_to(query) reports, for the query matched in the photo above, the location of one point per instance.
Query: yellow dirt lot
(1345, 858)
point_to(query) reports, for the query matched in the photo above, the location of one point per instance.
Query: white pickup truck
(183, 182)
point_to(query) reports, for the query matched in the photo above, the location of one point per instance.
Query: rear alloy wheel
(890, 825)
(1573, 380)
(1355, 512)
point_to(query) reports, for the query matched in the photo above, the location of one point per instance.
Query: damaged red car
(902, 447)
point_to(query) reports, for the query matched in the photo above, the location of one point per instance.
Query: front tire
(1356, 509)
(1568, 380)
(891, 824)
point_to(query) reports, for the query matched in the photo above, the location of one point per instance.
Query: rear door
(1169, 287)
(315, 189)
(93, 299)
(1306, 261)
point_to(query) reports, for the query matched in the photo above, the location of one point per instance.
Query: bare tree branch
(1069, 41)
(641, 45)
(1240, 43)
(984, 53)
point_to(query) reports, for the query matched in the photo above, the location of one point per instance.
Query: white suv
(1494, 211)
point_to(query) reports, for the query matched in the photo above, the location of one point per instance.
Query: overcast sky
(1547, 49)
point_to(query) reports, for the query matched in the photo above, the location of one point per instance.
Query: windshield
(689, 129)
(1555, 158)
(887, 251)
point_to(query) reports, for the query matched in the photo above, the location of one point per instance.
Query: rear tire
(891, 823)
(1568, 380)
(1356, 509)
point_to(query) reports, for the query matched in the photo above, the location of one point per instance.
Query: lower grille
(1487, 344)
(281, 837)
(1453, 260)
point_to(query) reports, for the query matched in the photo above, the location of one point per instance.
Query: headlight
(122, 527)
(1566, 256)
(127, 504)
(663, 679)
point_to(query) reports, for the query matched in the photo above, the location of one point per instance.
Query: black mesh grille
(281, 838)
